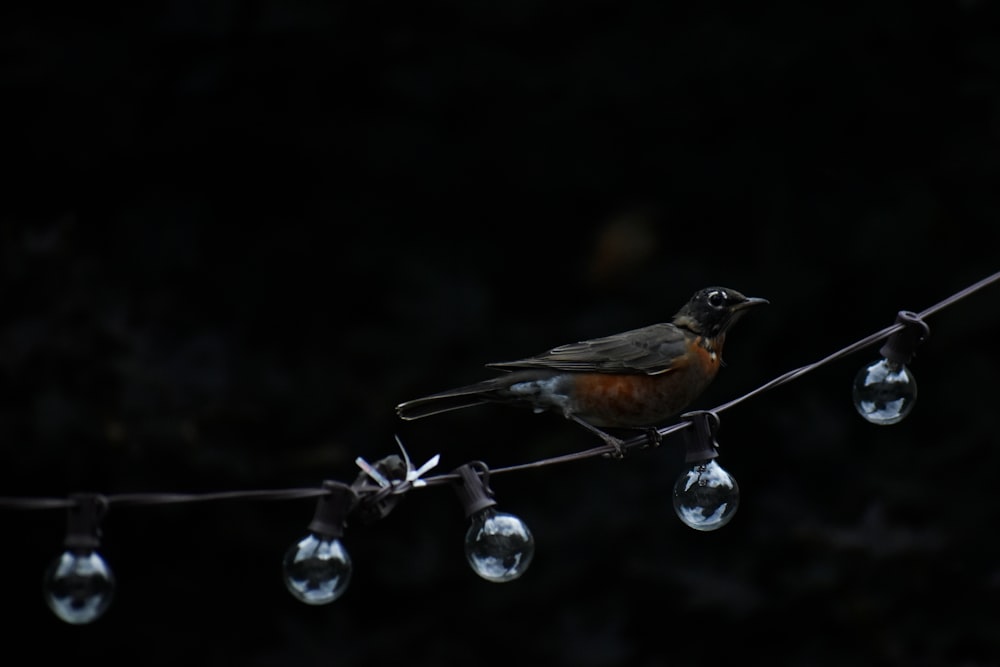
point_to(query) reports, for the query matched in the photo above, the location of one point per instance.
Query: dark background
(235, 235)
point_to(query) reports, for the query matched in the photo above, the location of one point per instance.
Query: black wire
(378, 492)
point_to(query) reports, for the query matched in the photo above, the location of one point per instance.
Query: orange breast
(613, 400)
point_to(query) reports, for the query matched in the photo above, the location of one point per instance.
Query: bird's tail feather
(446, 401)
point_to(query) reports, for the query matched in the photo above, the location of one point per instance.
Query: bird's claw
(618, 446)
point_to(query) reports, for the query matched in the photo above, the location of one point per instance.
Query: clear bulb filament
(317, 569)
(884, 392)
(78, 586)
(706, 496)
(498, 546)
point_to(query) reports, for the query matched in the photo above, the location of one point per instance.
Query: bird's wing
(651, 350)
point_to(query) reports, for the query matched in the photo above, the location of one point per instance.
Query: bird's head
(711, 311)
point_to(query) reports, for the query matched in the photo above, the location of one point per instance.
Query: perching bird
(634, 379)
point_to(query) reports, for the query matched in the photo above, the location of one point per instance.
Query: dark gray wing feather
(650, 350)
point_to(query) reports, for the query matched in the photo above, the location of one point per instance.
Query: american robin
(634, 379)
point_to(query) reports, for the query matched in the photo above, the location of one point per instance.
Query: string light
(705, 496)
(884, 391)
(498, 546)
(79, 585)
(318, 568)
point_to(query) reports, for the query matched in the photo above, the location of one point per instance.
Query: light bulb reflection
(498, 546)
(706, 496)
(78, 587)
(317, 570)
(884, 392)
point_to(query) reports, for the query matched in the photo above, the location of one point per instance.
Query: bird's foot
(655, 439)
(617, 443)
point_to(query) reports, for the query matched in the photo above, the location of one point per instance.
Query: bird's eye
(716, 299)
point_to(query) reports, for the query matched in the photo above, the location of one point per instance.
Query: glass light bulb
(317, 569)
(498, 546)
(884, 392)
(706, 496)
(78, 586)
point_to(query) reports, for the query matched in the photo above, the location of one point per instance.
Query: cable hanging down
(79, 585)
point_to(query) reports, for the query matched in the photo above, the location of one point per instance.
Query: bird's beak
(751, 301)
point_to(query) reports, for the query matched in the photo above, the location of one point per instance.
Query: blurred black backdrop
(235, 235)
